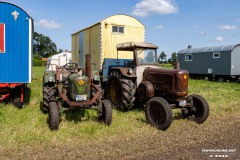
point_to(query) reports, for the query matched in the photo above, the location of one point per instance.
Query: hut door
(81, 50)
(2, 38)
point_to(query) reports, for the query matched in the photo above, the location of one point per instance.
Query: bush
(37, 62)
(36, 56)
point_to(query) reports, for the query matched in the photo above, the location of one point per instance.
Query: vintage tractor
(140, 78)
(70, 87)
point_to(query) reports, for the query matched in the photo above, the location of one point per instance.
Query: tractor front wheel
(106, 115)
(199, 109)
(158, 113)
(48, 95)
(53, 116)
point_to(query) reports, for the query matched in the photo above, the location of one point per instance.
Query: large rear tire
(158, 113)
(53, 116)
(106, 116)
(199, 111)
(121, 91)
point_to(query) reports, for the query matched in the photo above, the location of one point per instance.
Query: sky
(170, 24)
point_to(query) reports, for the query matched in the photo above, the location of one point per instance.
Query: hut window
(216, 54)
(118, 29)
(2, 38)
(188, 57)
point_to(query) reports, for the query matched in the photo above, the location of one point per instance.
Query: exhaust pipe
(88, 68)
(177, 65)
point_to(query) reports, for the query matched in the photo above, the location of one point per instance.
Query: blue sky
(170, 24)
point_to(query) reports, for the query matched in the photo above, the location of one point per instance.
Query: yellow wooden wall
(134, 30)
(101, 43)
(75, 47)
(92, 44)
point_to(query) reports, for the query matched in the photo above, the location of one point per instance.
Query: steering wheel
(70, 65)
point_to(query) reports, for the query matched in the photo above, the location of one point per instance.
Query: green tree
(162, 57)
(173, 58)
(43, 46)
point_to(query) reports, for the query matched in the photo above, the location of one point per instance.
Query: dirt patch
(183, 140)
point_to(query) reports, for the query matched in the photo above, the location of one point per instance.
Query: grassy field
(24, 133)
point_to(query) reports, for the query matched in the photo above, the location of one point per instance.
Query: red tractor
(141, 79)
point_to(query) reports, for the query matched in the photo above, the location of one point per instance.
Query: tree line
(43, 47)
(163, 58)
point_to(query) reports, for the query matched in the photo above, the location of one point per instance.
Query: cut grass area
(25, 134)
(166, 65)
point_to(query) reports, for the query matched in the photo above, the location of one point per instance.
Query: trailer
(16, 41)
(59, 59)
(214, 63)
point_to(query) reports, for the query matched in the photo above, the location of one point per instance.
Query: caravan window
(216, 54)
(118, 29)
(188, 57)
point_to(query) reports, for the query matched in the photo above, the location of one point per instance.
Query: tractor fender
(125, 72)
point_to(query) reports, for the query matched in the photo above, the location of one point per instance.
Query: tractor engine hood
(78, 86)
(168, 81)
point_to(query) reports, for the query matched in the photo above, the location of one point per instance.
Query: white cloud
(219, 39)
(148, 7)
(194, 26)
(158, 27)
(204, 32)
(49, 24)
(227, 27)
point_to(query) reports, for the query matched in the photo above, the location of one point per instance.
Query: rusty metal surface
(129, 46)
(146, 90)
(176, 65)
(168, 82)
(88, 68)
(84, 104)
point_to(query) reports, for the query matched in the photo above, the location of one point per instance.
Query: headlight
(50, 79)
(130, 71)
(185, 76)
(95, 78)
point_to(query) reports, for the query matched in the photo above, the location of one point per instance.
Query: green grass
(166, 65)
(24, 132)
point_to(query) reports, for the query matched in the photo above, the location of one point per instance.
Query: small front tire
(158, 113)
(53, 116)
(106, 116)
(199, 110)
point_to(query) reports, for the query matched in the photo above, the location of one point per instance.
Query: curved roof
(209, 49)
(111, 19)
(16, 6)
(123, 15)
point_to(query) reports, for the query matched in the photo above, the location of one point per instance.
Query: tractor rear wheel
(53, 116)
(106, 116)
(48, 95)
(199, 111)
(158, 113)
(121, 91)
